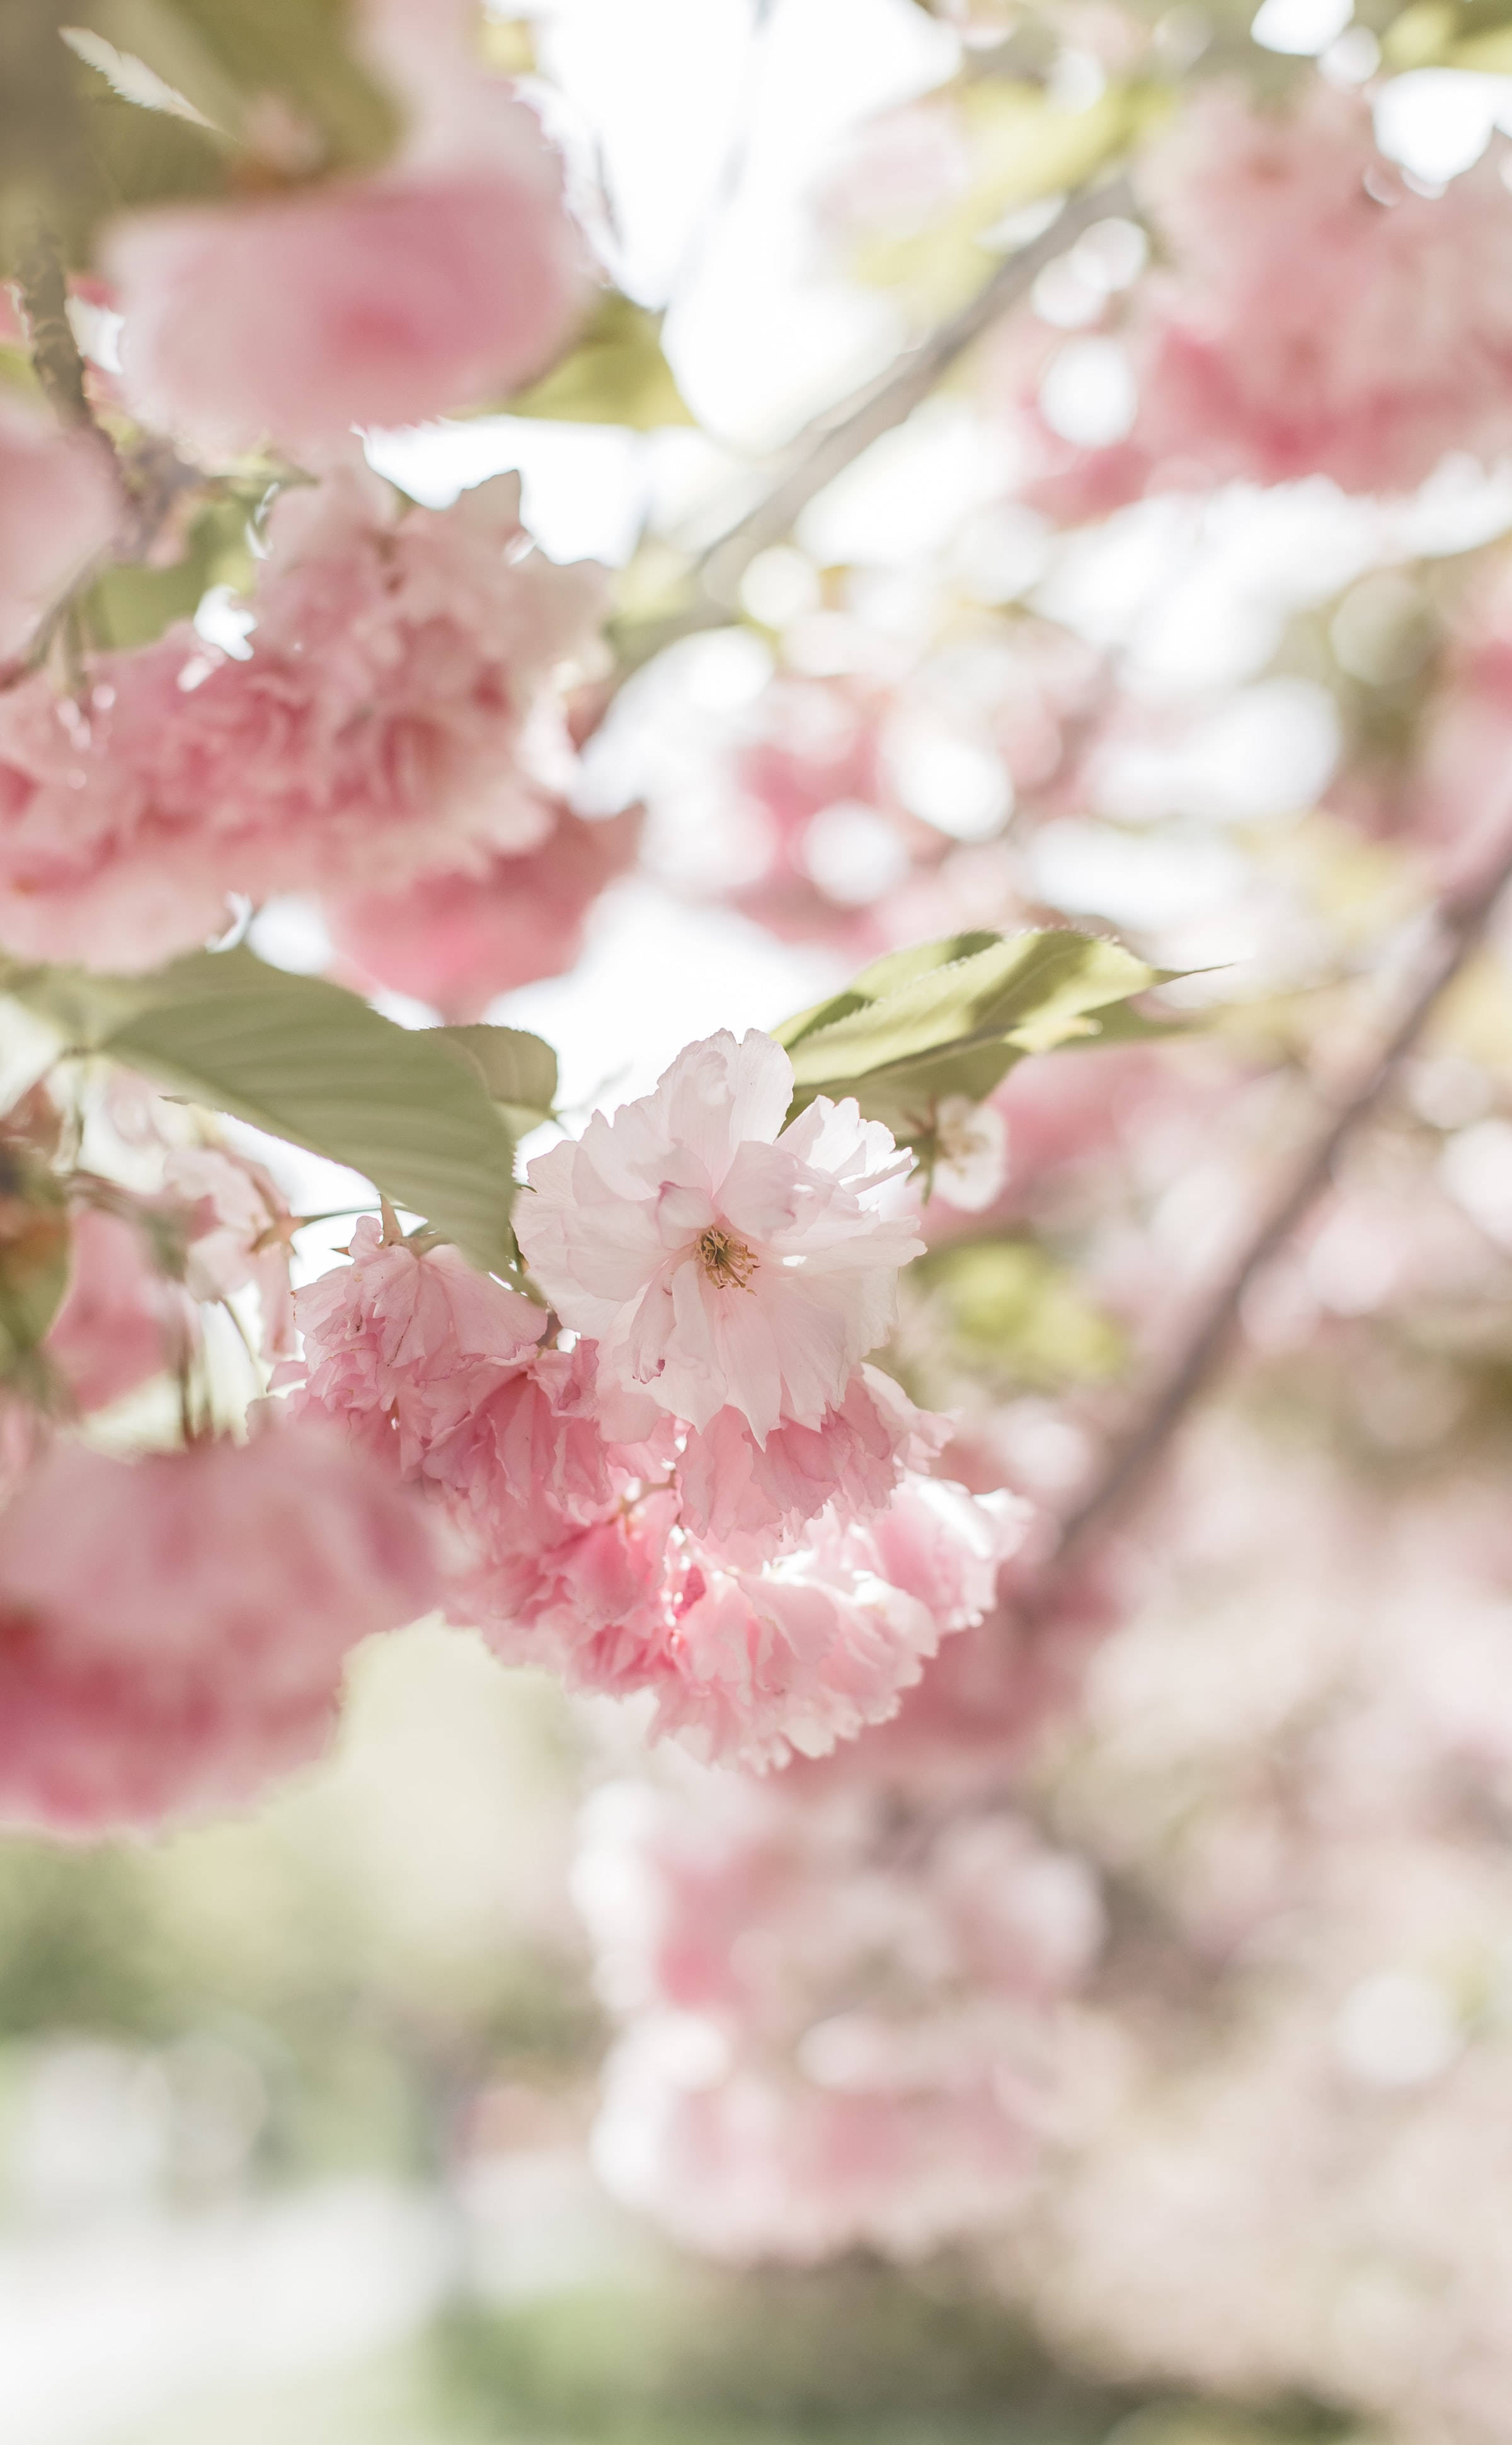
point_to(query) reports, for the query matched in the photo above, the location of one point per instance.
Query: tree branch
(1452, 930)
(55, 352)
(832, 440)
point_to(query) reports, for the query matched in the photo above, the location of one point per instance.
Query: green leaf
(240, 62)
(518, 1070)
(952, 1018)
(615, 375)
(307, 1061)
(129, 604)
(147, 102)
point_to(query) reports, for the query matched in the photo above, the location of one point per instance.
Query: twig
(829, 445)
(1452, 929)
(55, 351)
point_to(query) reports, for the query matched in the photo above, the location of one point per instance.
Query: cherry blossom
(241, 1234)
(826, 2045)
(175, 1627)
(123, 1318)
(59, 508)
(1387, 314)
(452, 275)
(458, 938)
(972, 1163)
(386, 722)
(719, 1259)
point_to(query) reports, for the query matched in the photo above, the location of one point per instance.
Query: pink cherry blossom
(832, 2038)
(403, 1343)
(59, 507)
(570, 1525)
(439, 1369)
(123, 1318)
(175, 1627)
(436, 283)
(719, 1259)
(457, 939)
(394, 714)
(754, 1664)
(746, 1498)
(1318, 315)
(241, 1234)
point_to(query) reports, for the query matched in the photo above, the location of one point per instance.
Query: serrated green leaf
(518, 1070)
(128, 604)
(306, 1062)
(894, 969)
(616, 374)
(952, 1018)
(235, 60)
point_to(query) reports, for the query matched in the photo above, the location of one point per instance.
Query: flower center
(961, 1137)
(728, 1262)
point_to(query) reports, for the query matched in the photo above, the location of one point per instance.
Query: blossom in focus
(399, 1343)
(717, 1258)
(752, 1666)
(173, 1629)
(59, 507)
(746, 1497)
(457, 938)
(436, 284)
(123, 1318)
(395, 715)
(438, 1369)
(573, 1539)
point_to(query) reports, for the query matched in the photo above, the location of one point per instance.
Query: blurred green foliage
(1011, 1308)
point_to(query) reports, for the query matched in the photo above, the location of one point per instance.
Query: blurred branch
(55, 351)
(1447, 935)
(828, 445)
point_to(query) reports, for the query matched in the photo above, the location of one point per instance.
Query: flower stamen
(728, 1262)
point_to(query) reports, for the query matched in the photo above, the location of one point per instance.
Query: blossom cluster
(842, 2026)
(685, 1480)
(393, 719)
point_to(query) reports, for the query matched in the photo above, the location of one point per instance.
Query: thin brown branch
(1450, 933)
(833, 440)
(55, 351)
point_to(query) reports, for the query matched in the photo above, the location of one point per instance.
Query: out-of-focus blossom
(452, 277)
(457, 939)
(1320, 316)
(241, 1234)
(172, 1630)
(832, 2040)
(385, 724)
(972, 1161)
(59, 507)
(123, 1318)
(719, 1259)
